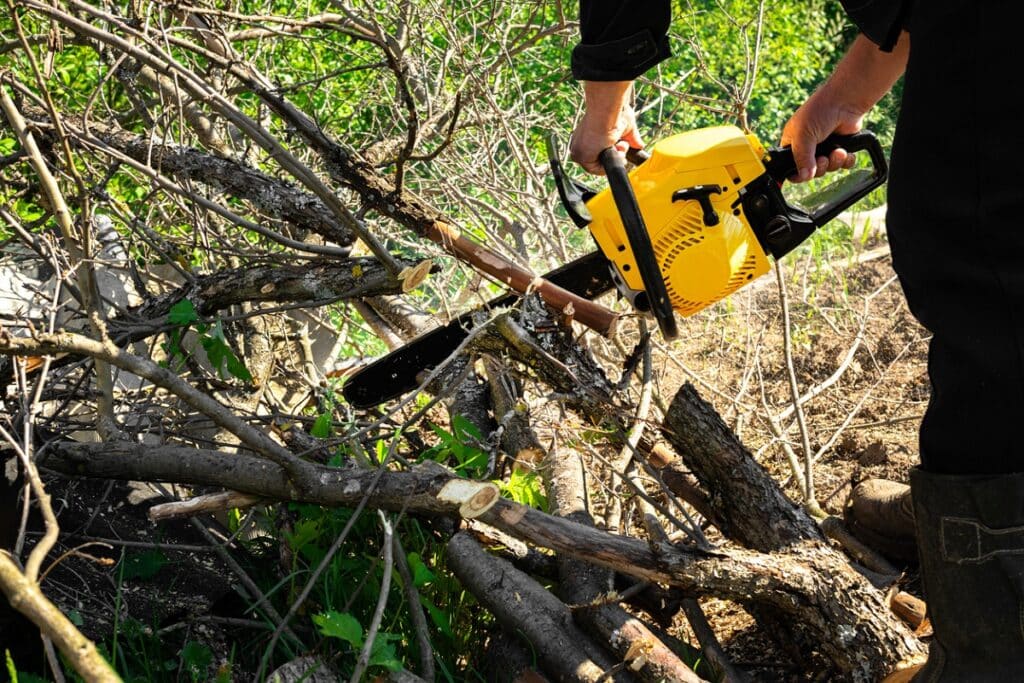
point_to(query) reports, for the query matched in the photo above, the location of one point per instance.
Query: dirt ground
(854, 347)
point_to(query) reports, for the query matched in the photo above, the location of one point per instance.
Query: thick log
(317, 281)
(523, 606)
(749, 505)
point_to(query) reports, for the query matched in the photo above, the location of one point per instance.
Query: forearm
(604, 100)
(865, 73)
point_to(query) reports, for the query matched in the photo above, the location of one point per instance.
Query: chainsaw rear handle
(614, 164)
(781, 166)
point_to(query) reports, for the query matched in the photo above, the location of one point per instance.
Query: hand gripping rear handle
(781, 165)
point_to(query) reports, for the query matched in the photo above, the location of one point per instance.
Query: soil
(854, 346)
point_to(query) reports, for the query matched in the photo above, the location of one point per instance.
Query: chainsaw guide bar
(397, 373)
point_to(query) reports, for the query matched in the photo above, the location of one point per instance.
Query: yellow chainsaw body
(700, 263)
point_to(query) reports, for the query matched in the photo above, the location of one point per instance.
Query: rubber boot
(971, 545)
(880, 513)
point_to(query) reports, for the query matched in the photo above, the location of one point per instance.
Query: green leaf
(382, 653)
(446, 438)
(237, 368)
(421, 575)
(142, 565)
(197, 658)
(340, 625)
(221, 356)
(322, 426)
(305, 531)
(182, 313)
(438, 616)
(75, 617)
(524, 488)
(464, 428)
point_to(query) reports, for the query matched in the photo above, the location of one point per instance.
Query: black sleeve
(880, 20)
(620, 39)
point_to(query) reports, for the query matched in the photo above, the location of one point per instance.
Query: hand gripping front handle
(614, 164)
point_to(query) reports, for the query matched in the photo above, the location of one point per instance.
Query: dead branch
(524, 606)
(315, 282)
(806, 580)
(586, 586)
(271, 196)
(26, 597)
(67, 342)
(200, 505)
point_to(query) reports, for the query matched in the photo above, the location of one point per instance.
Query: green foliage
(183, 316)
(348, 590)
(738, 72)
(525, 487)
(196, 659)
(16, 676)
(347, 628)
(321, 426)
(459, 448)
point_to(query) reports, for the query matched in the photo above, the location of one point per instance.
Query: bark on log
(518, 440)
(533, 338)
(316, 281)
(471, 400)
(408, 319)
(522, 605)
(766, 520)
(507, 660)
(270, 196)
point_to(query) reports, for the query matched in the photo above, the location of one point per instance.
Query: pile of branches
(290, 224)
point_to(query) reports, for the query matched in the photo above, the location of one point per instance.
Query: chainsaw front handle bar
(614, 163)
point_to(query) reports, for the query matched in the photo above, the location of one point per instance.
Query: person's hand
(822, 114)
(608, 121)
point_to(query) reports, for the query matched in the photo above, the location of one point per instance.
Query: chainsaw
(694, 220)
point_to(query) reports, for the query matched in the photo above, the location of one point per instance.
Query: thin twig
(382, 601)
(419, 621)
(810, 498)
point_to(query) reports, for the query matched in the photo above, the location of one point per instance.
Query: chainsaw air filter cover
(690, 195)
